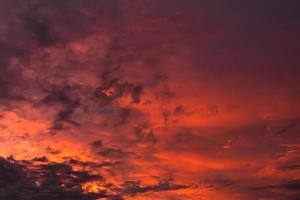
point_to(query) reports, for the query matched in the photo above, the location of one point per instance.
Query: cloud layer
(111, 99)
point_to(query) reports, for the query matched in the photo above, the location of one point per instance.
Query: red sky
(143, 99)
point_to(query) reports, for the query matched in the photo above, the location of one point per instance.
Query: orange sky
(142, 100)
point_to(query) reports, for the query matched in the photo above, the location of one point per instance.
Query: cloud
(144, 133)
(115, 89)
(133, 188)
(286, 129)
(114, 153)
(287, 190)
(46, 181)
(121, 94)
(40, 28)
(53, 150)
(40, 159)
(96, 144)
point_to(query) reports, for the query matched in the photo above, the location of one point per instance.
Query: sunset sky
(149, 100)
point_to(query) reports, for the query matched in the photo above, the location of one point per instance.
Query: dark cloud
(40, 159)
(193, 141)
(114, 153)
(133, 188)
(53, 150)
(38, 24)
(96, 143)
(144, 133)
(51, 23)
(123, 116)
(179, 109)
(221, 183)
(289, 166)
(40, 28)
(62, 94)
(92, 165)
(64, 116)
(47, 181)
(116, 88)
(285, 129)
(23, 180)
(136, 92)
(290, 162)
(118, 118)
(292, 187)
(11, 77)
(166, 114)
(58, 94)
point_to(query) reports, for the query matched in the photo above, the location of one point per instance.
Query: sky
(143, 100)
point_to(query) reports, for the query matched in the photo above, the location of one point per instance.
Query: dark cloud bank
(40, 179)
